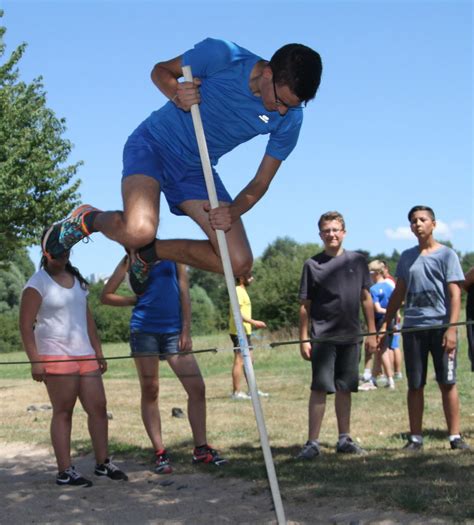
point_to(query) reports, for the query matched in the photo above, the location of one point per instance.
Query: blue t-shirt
(427, 278)
(381, 293)
(158, 310)
(230, 112)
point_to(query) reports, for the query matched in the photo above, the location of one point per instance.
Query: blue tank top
(158, 310)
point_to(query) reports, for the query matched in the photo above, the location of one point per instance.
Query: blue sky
(391, 126)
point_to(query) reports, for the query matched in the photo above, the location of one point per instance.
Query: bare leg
(451, 408)
(397, 360)
(343, 412)
(205, 254)
(63, 391)
(416, 401)
(136, 226)
(238, 370)
(316, 409)
(148, 370)
(386, 362)
(92, 396)
(187, 370)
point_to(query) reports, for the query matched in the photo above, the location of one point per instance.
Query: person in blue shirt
(241, 95)
(160, 329)
(381, 292)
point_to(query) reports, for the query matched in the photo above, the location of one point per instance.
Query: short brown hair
(331, 216)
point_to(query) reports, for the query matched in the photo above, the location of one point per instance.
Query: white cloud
(400, 233)
(443, 230)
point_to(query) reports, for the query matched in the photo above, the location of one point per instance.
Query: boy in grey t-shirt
(334, 285)
(429, 278)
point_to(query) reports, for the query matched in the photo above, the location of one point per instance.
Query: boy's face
(332, 234)
(422, 225)
(277, 97)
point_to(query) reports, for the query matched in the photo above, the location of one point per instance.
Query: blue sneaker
(138, 275)
(63, 235)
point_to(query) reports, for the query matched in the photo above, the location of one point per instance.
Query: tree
(113, 324)
(274, 293)
(216, 290)
(36, 185)
(203, 318)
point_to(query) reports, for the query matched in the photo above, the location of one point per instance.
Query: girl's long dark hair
(69, 268)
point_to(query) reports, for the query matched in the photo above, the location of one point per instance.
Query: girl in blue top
(160, 329)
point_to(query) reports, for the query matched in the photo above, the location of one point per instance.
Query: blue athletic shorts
(394, 341)
(161, 345)
(143, 155)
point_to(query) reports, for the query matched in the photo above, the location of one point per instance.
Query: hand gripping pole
(229, 278)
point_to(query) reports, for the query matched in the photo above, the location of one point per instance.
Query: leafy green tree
(274, 293)
(36, 186)
(216, 289)
(113, 323)
(467, 261)
(203, 319)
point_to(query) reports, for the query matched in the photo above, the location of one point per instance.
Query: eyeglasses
(280, 102)
(330, 231)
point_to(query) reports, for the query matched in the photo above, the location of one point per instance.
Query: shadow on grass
(437, 481)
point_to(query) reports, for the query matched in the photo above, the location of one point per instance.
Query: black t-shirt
(333, 285)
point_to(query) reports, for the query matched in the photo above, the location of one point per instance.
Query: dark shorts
(161, 345)
(335, 367)
(416, 347)
(235, 342)
(143, 155)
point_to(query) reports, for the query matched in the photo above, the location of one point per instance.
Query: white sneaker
(369, 385)
(239, 396)
(260, 393)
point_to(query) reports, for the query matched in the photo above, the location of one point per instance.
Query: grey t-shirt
(333, 285)
(427, 277)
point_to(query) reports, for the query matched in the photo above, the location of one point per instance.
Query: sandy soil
(28, 494)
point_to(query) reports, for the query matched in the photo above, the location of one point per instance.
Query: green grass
(437, 482)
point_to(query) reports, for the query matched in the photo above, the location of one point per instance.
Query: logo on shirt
(264, 118)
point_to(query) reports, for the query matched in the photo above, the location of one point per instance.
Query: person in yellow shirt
(246, 312)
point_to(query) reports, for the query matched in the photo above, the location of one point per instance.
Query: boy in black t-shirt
(334, 284)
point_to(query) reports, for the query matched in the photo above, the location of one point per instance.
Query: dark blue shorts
(143, 155)
(161, 345)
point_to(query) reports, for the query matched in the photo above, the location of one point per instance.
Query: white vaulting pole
(229, 277)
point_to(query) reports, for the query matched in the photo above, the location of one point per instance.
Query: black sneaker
(459, 444)
(207, 455)
(413, 446)
(163, 462)
(107, 468)
(71, 476)
(350, 447)
(310, 450)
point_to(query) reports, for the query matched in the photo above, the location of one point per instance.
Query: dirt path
(28, 494)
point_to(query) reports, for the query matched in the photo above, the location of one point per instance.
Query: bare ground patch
(28, 494)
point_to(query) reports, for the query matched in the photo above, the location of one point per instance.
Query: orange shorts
(70, 365)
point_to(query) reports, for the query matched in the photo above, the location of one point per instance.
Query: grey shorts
(416, 347)
(335, 367)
